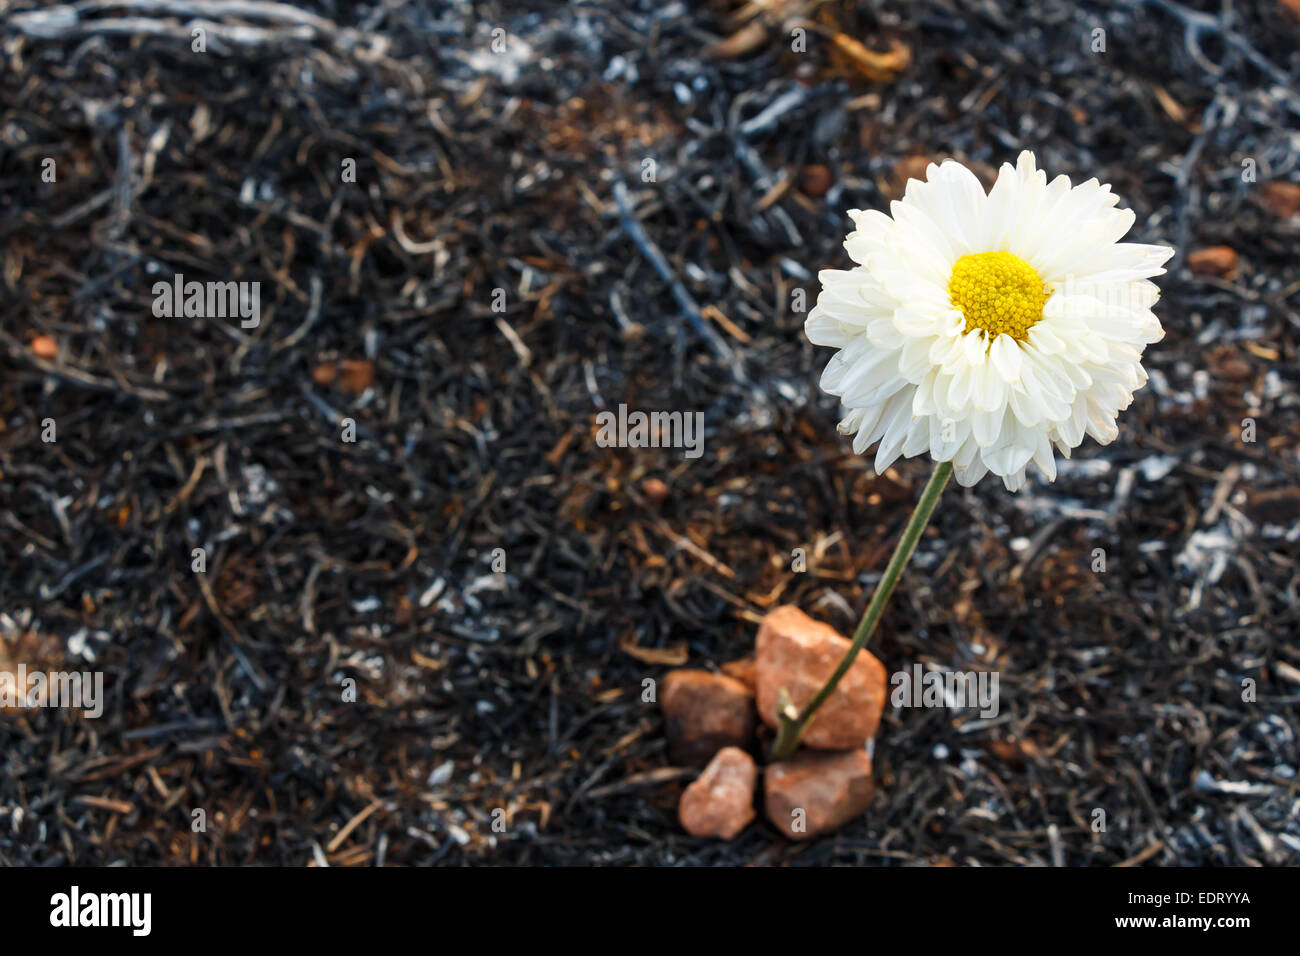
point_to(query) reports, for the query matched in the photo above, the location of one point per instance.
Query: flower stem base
(792, 723)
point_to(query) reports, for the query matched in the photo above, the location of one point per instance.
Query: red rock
(351, 375)
(655, 490)
(35, 652)
(356, 375)
(1218, 261)
(815, 180)
(744, 670)
(705, 712)
(798, 654)
(44, 347)
(829, 788)
(1282, 198)
(325, 373)
(720, 801)
(1234, 368)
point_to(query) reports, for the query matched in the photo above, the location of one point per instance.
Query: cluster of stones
(714, 720)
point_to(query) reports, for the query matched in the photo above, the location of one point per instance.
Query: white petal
(821, 329)
(1005, 356)
(986, 427)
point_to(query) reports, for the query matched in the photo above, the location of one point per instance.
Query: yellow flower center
(997, 292)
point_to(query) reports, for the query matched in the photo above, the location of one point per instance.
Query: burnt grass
(1163, 691)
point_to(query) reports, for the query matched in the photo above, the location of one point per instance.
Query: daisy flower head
(987, 328)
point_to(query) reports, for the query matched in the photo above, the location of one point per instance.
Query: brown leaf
(877, 67)
(673, 656)
(1171, 106)
(745, 40)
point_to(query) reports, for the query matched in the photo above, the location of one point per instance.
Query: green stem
(792, 727)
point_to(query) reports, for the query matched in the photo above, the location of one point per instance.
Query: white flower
(983, 329)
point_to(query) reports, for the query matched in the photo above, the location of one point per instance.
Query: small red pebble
(814, 793)
(1218, 261)
(655, 489)
(720, 802)
(356, 375)
(1282, 198)
(44, 347)
(815, 180)
(704, 712)
(1236, 369)
(325, 374)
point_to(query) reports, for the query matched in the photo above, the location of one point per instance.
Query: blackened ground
(1161, 693)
